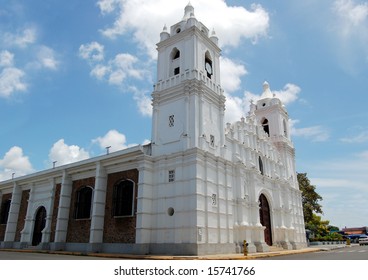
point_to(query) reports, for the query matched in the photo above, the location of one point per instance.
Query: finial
(266, 90)
(213, 36)
(164, 34)
(188, 12)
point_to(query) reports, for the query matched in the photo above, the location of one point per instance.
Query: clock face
(208, 68)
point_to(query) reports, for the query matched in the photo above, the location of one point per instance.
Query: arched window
(260, 163)
(123, 199)
(175, 62)
(83, 203)
(176, 54)
(266, 127)
(208, 65)
(5, 207)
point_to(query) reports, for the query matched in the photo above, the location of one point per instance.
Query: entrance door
(39, 225)
(265, 217)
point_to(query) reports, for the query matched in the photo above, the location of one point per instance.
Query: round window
(170, 211)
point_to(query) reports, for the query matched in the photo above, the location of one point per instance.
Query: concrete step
(276, 248)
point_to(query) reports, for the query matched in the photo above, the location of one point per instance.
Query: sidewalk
(252, 256)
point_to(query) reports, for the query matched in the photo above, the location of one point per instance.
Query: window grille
(212, 141)
(214, 199)
(171, 121)
(171, 175)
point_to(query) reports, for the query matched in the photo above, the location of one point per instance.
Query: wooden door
(265, 218)
(39, 225)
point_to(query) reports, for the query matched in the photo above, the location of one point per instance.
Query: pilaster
(26, 233)
(144, 202)
(63, 211)
(11, 226)
(46, 232)
(98, 208)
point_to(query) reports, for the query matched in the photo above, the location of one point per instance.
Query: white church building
(200, 187)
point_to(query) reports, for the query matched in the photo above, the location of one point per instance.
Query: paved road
(10, 255)
(347, 253)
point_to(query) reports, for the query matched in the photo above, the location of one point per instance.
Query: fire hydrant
(245, 248)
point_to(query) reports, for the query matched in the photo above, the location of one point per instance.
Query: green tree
(318, 226)
(332, 228)
(310, 198)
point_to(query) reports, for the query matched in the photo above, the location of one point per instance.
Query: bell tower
(272, 116)
(188, 101)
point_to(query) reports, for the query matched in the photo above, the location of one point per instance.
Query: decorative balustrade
(187, 75)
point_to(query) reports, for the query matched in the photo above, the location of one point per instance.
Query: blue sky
(76, 77)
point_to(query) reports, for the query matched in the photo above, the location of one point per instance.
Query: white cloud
(288, 94)
(116, 70)
(99, 71)
(350, 27)
(11, 81)
(126, 62)
(353, 14)
(107, 6)
(113, 139)
(362, 137)
(122, 67)
(21, 39)
(231, 74)
(64, 154)
(12, 77)
(6, 59)
(14, 161)
(237, 107)
(235, 22)
(47, 58)
(92, 52)
(117, 77)
(314, 133)
(143, 100)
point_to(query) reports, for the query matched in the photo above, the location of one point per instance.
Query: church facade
(200, 187)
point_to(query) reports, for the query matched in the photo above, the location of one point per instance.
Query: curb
(252, 256)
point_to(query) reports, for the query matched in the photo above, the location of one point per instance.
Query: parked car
(354, 238)
(363, 240)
